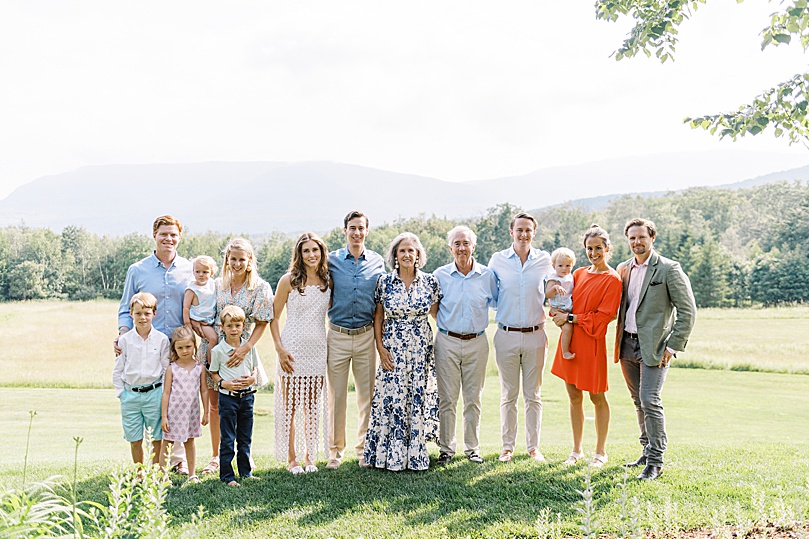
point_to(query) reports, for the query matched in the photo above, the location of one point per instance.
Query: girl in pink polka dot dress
(184, 385)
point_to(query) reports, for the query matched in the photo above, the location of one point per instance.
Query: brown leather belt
(462, 336)
(520, 330)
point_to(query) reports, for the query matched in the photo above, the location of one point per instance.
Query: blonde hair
(145, 300)
(252, 279)
(182, 333)
(563, 252)
(234, 312)
(206, 262)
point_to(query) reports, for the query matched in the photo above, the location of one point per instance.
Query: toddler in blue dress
(199, 302)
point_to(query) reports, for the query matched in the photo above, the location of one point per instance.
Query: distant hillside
(260, 197)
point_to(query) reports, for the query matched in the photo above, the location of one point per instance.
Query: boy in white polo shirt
(138, 376)
(236, 397)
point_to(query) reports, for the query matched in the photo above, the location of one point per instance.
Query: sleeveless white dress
(304, 338)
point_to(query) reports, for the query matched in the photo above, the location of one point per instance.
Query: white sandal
(599, 460)
(310, 468)
(573, 459)
(212, 466)
(297, 470)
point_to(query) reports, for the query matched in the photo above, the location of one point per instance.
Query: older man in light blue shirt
(461, 345)
(520, 343)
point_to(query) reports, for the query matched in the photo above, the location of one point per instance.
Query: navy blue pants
(235, 425)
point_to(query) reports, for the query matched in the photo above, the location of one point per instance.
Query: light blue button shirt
(467, 298)
(352, 304)
(521, 287)
(167, 285)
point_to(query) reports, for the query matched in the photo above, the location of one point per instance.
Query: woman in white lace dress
(300, 389)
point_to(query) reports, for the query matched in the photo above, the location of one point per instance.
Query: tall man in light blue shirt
(461, 345)
(520, 344)
(354, 272)
(165, 275)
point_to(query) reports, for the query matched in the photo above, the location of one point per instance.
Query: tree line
(739, 247)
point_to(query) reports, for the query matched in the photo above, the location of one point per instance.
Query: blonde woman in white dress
(300, 391)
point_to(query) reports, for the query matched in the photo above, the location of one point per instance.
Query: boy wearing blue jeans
(235, 385)
(138, 376)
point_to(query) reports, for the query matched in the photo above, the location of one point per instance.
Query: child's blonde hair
(206, 262)
(234, 312)
(145, 300)
(563, 252)
(182, 333)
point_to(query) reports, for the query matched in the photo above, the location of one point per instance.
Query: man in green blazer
(655, 320)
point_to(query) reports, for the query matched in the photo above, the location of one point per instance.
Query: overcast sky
(456, 90)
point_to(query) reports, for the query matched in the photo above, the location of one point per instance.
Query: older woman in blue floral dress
(239, 285)
(404, 410)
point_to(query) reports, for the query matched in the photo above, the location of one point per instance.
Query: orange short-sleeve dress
(596, 300)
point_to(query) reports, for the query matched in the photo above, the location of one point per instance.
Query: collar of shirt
(159, 264)
(531, 253)
(349, 255)
(475, 269)
(636, 265)
(417, 278)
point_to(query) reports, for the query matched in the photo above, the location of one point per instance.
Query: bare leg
(213, 421)
(212, 338)
(576, 416)
(136, 448)
(157, 448)
(191, 456)
(567, 333)
(165, 451)
(602, 407)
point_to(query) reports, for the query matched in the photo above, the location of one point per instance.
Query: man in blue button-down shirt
(520, 344)
(461, 345)
(165, 275)
(354, 272)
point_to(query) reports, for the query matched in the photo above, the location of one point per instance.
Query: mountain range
(261, 197)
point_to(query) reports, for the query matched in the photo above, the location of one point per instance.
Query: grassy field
(737, 442)
(67, 344)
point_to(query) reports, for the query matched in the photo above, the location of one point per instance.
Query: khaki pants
(359, 353)
(460, 365)
(520, 353)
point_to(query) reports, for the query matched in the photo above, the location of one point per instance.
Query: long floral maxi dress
(404, 409)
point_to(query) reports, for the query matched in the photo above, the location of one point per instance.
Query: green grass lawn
(738, 443)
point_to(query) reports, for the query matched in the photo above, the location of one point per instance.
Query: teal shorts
(142, 411)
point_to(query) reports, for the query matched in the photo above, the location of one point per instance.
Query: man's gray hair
(462, 228)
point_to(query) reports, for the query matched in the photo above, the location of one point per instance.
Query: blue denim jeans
(235, 425)
(645, 384)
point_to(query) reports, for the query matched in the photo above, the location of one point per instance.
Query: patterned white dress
(304, 337)
(183, 410)
(404, 410)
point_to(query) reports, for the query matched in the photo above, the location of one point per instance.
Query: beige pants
(460, 365)
(358, 353)
(518, 353)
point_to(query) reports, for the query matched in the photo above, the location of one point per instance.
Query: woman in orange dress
(596, 300)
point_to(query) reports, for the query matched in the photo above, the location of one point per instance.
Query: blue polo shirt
(167, 285)
(352, 304)
(467, 298)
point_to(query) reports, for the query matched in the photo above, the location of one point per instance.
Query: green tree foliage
(739, 247)
(781, 109)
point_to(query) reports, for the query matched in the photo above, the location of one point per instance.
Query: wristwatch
(570, 318)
